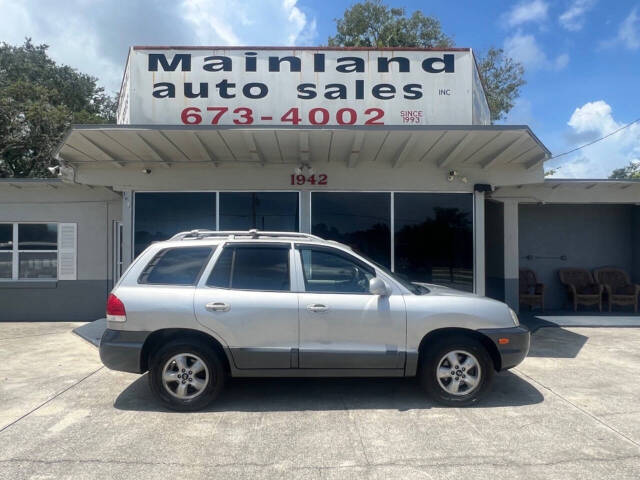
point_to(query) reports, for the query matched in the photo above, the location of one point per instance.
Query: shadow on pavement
(556, 343)
(300, 394)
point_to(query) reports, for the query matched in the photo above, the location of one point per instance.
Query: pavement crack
(49, 400)
(580, 409)
(355, 424)
(435, 463)
(34, 335)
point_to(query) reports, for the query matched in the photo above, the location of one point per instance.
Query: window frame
(162, 251)
(475, 254)
(292, 269)
(15, 253)
(216, 213)
(339, 252)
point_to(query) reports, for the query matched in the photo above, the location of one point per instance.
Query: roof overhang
(446, 146)
(569, 190)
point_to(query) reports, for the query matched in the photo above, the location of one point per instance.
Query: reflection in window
(360, 220)
(277, 211)
(333, 271)
(6, 250)
(434, 238)
(38, 265)
(159, 216)
(37, 250)
(37, 236)
(252, 268)
(175, 266)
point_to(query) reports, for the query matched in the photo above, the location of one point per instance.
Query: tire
(184, 391)
(441, 386)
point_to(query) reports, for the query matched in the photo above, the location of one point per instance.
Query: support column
(127, 228)
(478, 244)
(305, 211)
(511, 254)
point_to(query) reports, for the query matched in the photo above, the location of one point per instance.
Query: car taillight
(115, 309)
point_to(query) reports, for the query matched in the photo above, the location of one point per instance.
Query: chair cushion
(588, 290)
(625, 290)
(613, 277)
(579, 278)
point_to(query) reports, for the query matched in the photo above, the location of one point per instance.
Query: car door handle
(217, 307)
(317, 307)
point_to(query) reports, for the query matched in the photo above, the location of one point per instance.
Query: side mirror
(378, 287)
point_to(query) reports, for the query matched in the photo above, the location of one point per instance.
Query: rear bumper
(517, 348)
(122, 350)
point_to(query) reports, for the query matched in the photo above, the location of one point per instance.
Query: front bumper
(122, 350)
(513, 352)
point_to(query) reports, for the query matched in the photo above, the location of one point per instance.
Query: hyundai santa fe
(204, 306)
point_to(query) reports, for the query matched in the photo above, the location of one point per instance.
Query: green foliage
(630, 172)
(39, 100)
(502, 78)
(371, 23)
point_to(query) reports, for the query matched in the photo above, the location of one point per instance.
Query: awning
(480, 146)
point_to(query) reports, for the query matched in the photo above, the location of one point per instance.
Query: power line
(596, 140)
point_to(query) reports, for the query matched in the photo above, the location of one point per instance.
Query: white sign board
(310, 86)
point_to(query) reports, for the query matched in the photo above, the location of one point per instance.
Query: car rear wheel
(456, 371)
(186, 376)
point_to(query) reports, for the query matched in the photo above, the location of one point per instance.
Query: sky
(582, 57)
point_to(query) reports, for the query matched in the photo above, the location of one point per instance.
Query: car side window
(259, 267)
(176, 266)
(332, 271)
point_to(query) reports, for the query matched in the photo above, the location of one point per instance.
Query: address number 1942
(319, 179)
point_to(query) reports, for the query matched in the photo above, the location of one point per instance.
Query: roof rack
(253, 233)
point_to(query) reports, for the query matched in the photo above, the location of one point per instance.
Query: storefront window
(36, 251)
(6, 250)
(434, 238)
(360, 220)
(277, 211)
(158, 216)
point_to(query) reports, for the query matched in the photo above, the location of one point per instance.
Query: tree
(630, 172)
(371, 23)
(39, 100)
(502, 78)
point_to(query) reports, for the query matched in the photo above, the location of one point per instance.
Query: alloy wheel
(185, 376)
(459, 372)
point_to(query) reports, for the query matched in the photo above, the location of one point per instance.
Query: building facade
(389, 151)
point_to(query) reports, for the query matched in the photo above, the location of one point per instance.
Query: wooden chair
(581, 288)
(618, 287)
(531, 291)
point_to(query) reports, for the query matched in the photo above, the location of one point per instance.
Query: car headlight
(514, 317)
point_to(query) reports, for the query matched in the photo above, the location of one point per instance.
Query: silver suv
(207, 305)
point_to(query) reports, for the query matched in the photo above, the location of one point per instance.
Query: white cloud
(525, 49)
(526, 11)
(573, 17)
(94, 36)
(561, 61)
(590, 122)
(628, 32)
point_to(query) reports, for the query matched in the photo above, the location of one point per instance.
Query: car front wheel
(186, 376)
(456, 371)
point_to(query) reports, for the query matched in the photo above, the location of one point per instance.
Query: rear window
(252, 268)
(176, 266)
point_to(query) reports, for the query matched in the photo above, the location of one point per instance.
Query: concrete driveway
(571, 410)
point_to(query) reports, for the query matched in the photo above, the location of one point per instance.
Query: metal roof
(447, 146)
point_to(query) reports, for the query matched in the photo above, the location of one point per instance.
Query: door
(342, 325)
(247, 300)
